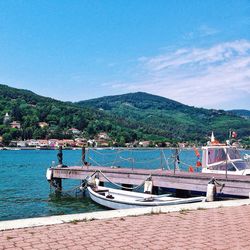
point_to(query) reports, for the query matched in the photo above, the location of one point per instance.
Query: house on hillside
(103, 136)
(102, 143)
(13, 143)
(21, 144)
(129, 144)
(74, 131)
(15, 124)
(92, 143)
(66, 143)
(53, 143)
(43, 124)
(32, 143)
(81, 142)
(144, 144)
(43, 143)
(69, 143)
(182, 144)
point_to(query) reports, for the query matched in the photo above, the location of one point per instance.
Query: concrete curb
(53, 220)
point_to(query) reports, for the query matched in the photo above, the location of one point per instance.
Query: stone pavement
(217, 228)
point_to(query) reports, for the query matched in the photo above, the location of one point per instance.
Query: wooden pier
(232, 184)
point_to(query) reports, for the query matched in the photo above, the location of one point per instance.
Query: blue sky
(195, 52)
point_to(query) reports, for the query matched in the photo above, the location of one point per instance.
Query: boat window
(230, 167)
(233, 153)
(216, 155)
(223, 167)
(241, 165)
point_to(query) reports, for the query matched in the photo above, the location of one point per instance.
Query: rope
(115, 184)
(155, 159)
(185, 164)
(74, 188)
(125, 159)
(166, 159)
(113, 164)
(119, 158)
(98, 164)
(65, 191)
(222, 185)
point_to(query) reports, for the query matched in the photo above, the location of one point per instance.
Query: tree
(16, 113)
(7, 138)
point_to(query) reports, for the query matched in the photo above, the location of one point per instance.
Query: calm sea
(25, 192)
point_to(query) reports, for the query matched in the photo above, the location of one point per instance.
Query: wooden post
(101, 183)
(58, 182)
(226, 162)
(60, 157)
(132, 160)
(177, 160)
(161, 159)
(83, 155)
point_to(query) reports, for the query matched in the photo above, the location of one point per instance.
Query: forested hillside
(150, 114)
(241, 112)
(126, 118)
(29, 109)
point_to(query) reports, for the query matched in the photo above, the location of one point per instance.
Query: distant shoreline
(99, 148)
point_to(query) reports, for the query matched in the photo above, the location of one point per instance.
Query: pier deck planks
(234, 185)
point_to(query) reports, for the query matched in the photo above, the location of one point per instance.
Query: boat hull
(137, 201)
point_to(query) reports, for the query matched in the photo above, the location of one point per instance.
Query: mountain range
(128, 117)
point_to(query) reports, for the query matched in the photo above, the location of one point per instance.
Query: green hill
(241, 112)
(126, 118)
(162, 117)
(30, 109)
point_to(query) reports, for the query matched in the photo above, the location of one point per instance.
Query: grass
(74, 221)
(201, 208)
(10, 237)
(83, 220)
(184, 211)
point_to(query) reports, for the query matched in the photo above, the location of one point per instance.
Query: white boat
(122, 199)
(246, 157)
(220, 158)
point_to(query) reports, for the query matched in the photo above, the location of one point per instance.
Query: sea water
(25, 192)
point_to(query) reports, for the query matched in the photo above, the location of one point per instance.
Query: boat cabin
(218, 159)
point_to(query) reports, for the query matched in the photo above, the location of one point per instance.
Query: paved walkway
(217, 228)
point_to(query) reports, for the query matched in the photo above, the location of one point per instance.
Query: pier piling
(58, 184)
(60, 157)
(83, 156)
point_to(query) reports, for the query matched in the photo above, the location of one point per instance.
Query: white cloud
(215, 77)
(205, 30)
(201, 32)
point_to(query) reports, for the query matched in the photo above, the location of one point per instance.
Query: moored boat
(122, 199)
(218, 158)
